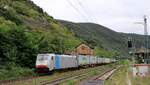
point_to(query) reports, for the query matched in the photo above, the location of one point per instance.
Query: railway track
(57, 78)
(99, 80)
(106, 75)
(58, 81)
(61, 80)
(26, 79)
(70, 74)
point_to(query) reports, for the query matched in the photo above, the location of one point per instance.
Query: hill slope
(103, 37)
(25, 31)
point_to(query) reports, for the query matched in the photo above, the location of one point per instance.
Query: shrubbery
(25, 31)
(105, 53)
(13, 72)
(20, 47)
(15, 47)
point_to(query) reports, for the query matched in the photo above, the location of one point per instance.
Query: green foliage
(124, 62)
(71, 43)
(25, 31)
(70, 82)
(105, 53)
(15, 47)
(23, 9)
(21, 46)
(10, 71)
(99, 37)
(10, 14)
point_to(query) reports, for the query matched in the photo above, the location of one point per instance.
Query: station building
(84, 49)
(81, 49)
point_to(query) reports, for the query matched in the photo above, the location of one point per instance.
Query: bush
(105, 53)
(10, 14)
(17, 47)
(25, 31)
(15, 72)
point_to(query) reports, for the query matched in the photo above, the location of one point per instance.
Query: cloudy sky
(118, 15)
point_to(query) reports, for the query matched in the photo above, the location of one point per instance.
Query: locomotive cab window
(42, 57)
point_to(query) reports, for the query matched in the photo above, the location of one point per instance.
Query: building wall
(84, 50)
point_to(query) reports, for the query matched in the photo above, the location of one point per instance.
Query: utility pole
(145, 26)
(146, 56)
(146, 37)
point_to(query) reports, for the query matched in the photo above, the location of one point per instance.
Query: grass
(137, 80)
(15, 73)
(140, 80)
(119, 77)
(90, 71)
(69, 82)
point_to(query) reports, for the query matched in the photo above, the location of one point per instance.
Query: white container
(93, 60)
(68, 61)
(83, 60)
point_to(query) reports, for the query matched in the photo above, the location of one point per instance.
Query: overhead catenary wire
(77, 10)
(86, 11)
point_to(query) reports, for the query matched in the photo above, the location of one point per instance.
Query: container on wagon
(83, 60)
(69, 61)
(93, 60)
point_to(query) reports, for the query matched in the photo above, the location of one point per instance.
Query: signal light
(129, 44)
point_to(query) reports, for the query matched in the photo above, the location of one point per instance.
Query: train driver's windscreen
(42, 57)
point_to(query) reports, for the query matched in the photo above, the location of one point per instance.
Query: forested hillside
(104, 38)
(25, 31)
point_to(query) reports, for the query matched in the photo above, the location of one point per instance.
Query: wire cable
(77, 10)
(87, 11)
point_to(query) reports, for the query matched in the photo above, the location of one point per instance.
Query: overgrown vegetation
(120, 76)
(105, 53)
(124, 76)
(140, 80)
(25, 31)
(11, 71)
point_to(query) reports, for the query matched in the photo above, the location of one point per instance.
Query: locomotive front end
(44, 63)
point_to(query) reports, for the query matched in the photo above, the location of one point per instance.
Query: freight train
(50, 62)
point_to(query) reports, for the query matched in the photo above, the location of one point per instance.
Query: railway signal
(129, 44)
